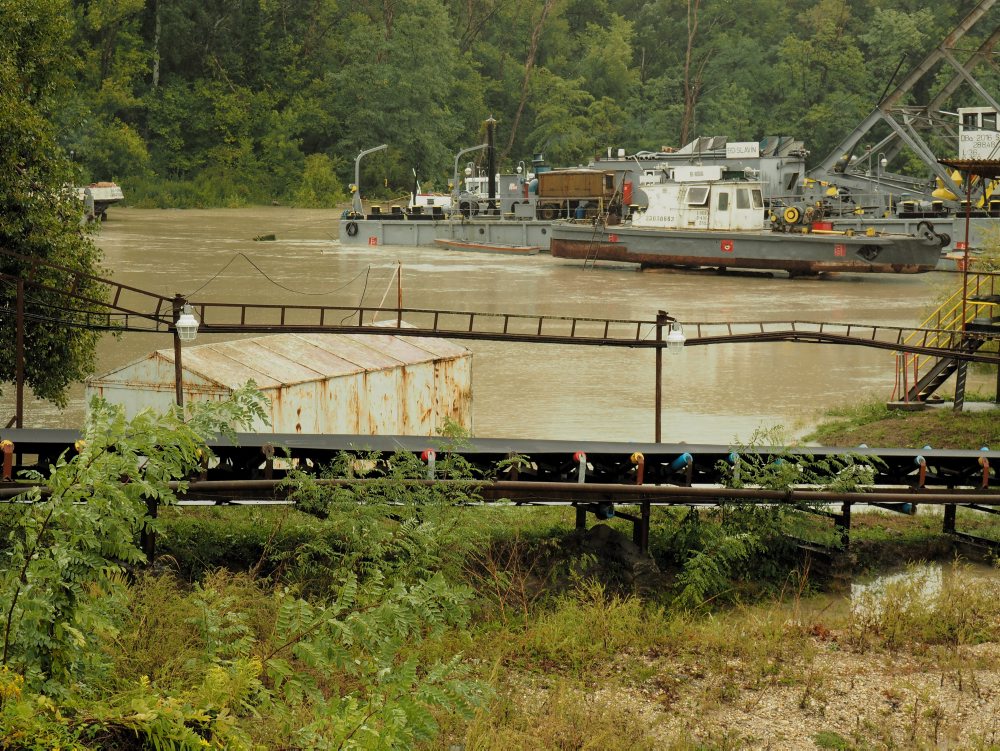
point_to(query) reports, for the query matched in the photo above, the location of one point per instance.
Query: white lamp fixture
(186, 325)
(676, 338)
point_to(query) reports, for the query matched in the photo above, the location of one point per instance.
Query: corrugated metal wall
(316, 383)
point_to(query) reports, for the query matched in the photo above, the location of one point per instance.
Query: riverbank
(440, 622)
(903, 670)
(570, 655)
(907, 658)
(875, 424)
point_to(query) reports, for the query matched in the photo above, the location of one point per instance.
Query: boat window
(989, 121)
(723, 200)
(743, 198)
(793, 178)
(758, 198)
(970, 120)
(697, 196)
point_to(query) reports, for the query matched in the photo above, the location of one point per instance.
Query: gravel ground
(884, 700)
(828, 697)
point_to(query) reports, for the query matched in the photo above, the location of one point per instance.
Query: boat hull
(772, 251)
(422, 232)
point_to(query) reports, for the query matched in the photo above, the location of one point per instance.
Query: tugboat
(706, 217)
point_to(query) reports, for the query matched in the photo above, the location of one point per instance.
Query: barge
(702, 217)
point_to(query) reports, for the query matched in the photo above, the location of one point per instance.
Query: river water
(712, 394)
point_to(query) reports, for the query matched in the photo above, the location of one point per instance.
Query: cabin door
(722, 209)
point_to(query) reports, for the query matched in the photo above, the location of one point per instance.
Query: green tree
(729, 111)
(561, 125)
(222, 103)
(827, 89)
(395, 83)
(894, 38)
(97, 120)
(606, 59)
(41, 214)
(320, 186)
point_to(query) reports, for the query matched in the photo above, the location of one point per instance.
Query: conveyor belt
(555, 461)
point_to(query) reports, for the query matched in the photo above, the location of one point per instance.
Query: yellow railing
(945, 327)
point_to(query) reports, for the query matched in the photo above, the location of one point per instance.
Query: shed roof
(982, 167)
(285, 359)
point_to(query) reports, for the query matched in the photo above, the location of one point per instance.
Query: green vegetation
(988, 258)
(873, 423)
(379, 618)
(195, 104)
(39, 213)
(93, 657)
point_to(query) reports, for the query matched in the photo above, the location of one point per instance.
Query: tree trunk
(156, 43)
(690, 92)
(529, 65)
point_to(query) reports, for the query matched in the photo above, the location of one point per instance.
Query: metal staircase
(963, 323)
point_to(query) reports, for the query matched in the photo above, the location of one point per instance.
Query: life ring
(352, 228)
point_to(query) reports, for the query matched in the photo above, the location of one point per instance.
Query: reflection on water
(926, 580)
(712, 394)
(924, 585)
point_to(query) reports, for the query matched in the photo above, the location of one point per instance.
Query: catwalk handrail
(219, 318)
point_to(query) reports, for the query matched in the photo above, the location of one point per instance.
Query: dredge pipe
(658, 494)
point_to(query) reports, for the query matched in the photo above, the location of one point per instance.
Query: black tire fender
(352, 228)
(926, 229)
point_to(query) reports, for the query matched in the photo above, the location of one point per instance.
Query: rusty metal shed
(360, 384)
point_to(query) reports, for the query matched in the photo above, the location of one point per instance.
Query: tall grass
(959, 609)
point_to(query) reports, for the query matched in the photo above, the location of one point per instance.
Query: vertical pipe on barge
(491, 163)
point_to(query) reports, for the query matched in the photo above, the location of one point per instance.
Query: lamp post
(357, 207)
(455, 187)
(185, 330)
(882, 163)
(675, 343)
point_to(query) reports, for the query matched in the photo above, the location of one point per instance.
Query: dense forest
(230, 102)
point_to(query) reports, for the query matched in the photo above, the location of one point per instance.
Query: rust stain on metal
(316, 383)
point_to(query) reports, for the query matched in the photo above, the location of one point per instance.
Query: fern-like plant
(747, 540)
(70, 536)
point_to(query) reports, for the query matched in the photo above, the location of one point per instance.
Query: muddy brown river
(712, 394)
